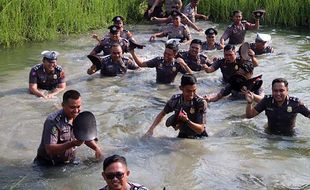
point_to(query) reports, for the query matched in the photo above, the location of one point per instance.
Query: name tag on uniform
(289, 109)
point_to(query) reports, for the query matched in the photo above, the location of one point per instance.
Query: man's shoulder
(293, 99)
(136, 186)
(58, 68)
(56, 116)
(37, 67)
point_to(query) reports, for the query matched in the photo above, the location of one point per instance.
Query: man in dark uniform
(280, 109)
(167, 67)
(236, 32)
(47, 76)
(210, 43)
(174, 30)
(115, 173)
(193, 57)
(58, 144)
(189, 111)
(154, 9)
(106, 43)
(114, 64)
(260, 47)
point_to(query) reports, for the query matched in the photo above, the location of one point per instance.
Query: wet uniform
(205, 46)
(236, 33)
(196, 112)
(190, 12)
(194, 64)
(281, 120)
(111, 68)
(133, 186)
(267, 49)
(181, 32)
(57, 130)
(44, 80)
(165, 72)
(106, 43)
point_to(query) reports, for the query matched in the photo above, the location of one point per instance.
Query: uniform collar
(287, 100)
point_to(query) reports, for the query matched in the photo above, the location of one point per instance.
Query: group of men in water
(58, 142)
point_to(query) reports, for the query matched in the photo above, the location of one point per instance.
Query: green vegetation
(37, 20)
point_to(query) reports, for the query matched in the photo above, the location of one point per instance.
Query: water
(237, 155)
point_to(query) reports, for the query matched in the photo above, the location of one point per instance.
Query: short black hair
(236, 11)
(188, 79)
(112, 159)
(280, 80)
(173, 46)
(229, 47)
(196, 41)
(70, 94)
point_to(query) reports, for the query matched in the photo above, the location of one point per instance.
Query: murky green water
(237, 155)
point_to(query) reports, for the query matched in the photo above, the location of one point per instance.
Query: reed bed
(37, 20)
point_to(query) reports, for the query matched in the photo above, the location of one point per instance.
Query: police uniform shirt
(181, 32)
(57, 130)
(106, 44)
(112, 68)
(216, 46)
(267, 49)
(281, 119)
(190, 12)
(165, 72)
(236, 33)
(126, 34)
(45, 80)
(133, 186)
(196, 112)
(194, 64)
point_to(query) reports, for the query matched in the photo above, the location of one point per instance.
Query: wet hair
(173, 46)
(236, 12)
(229, 47)
(70, 94)
(280, 80)
(188, 79)
(112, 159)
(196, 41)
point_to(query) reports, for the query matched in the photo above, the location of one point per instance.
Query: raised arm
(137, 59)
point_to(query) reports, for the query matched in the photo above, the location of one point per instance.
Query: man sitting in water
(210, 43)
(189, 111)
(167, 67)
(115, 173)
(193, 57)
(281, 109)
(47, 76)
(58, 144)
(114, 64)
(260, 46)
(174, 30)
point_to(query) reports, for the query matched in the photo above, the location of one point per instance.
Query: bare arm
(198, 128)
(191, 24)
(213, 97)
(157, 35)
(93, 145)
(208, 69)
(33, 89)
(60, 87)
(151, 10)
(250, 111)
(184, 65)
(160, 20)
(137, 59)
(157, 120)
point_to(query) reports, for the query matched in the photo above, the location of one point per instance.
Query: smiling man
(115, 173)
(280, 109)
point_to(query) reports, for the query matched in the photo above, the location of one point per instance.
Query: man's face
(210, 38)
(279, 92)
(49, 65)
(188, 92)
(119, 23)
(237, 17)
(169, 55)
(176, 20)
(72, 108)
(230, 56)
(194, 49)
(194, 3)
(116, 53)
(115, 36)
(116, 176)
(260, 45)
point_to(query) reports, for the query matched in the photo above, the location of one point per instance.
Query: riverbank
(31, 20)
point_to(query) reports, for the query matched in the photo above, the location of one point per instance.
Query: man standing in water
(115, 173)
(281, 110)
(58, 144)
(189, 111)
(47, 76)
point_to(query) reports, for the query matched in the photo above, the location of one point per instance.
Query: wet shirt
(57, 130)
(45, 80)
(114, 68)
(106, 43)
(165, 72)
(133, 186)
(281, 119)
(230, 69)
(236, 33)
(217, 46)
(196, 112)
(267, 49)
(190, 12)
(181, 32)
(195, 64)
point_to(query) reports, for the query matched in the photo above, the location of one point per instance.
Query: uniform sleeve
(217, 64)
(50, 132)
(227, 33)
(153, 62)
(132, 65)
(303, 110)
(62, 77)
(261, 106)
(33, 75)
(169, 106)
(202, 112)
(249, 26)
(98, 48)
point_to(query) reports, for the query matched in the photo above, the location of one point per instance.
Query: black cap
(210, 31)
(114, 29)
(188, 79)
(118, 19)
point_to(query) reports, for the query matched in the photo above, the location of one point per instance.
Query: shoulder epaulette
(36, 67)
(268, 96)
(58, 68)
(294, 99)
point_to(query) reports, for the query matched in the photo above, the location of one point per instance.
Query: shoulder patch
(36, 67)
(175, 96)
(58, 68)
(294, 99)
(268, 96)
